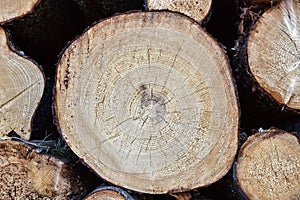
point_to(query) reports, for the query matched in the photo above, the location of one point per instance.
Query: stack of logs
(148, 101)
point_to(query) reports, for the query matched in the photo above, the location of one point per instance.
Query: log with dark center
(147, 100)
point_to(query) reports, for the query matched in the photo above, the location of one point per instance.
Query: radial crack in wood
(268, 166)
(274, 53)
(147, 100)
(21, 89)
(196, 9)
(10, 9)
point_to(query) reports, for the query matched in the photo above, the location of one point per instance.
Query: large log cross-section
(147, 100)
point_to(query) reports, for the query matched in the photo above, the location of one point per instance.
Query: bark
(26, 174)
(109, 192)
(12, 9)
(147, 100)
(199, 10)
(21, 89)
(268, 166)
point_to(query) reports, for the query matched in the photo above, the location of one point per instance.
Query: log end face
(196, 9)
(268, 165)
(141, 107)
(21, 90)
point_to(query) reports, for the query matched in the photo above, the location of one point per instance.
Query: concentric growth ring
(148, 103)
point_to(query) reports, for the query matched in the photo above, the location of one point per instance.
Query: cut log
(11, 9)
(273, 52)
(196, 9)
(147, 100)
(21, 89)
(25, 174)
(109, 193)
(268, 166)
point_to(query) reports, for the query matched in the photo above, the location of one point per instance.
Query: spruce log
(26, 174)
(268, 166)
(11, 9)
(21, 89)
(147, 100)
(197, 9)
(109, 193)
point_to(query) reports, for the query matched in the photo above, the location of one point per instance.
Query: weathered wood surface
(26, 174)
(267, 57)
(10, 9)
(21, 89)
(147, 100)
(268, 166)
(198, 10)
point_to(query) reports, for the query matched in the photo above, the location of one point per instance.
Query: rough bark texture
(109, 193)
(11, 9)
(25, 174)
(21, 89)
(196, 9)
(268, 166)
(139, 105)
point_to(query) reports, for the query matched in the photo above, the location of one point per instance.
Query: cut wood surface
(21, 89)
(146, 99)
(25, 174)
(196, 9)
(109, 193)
(10, 9)
(274, 53)
(268, 166)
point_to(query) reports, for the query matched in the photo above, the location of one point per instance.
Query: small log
(21, 89)
(10, 9)
(109, 192)
(26, 174)
(199, 10)
(274, 53)
(268, 166)
(269, 55)
(147, 100)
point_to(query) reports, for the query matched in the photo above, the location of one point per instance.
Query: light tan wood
(268, 166)
(196, 9)
(109, 193)
(10, 9)
(25, 174)
(21, 89)
(147, 100)
(274, 53)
